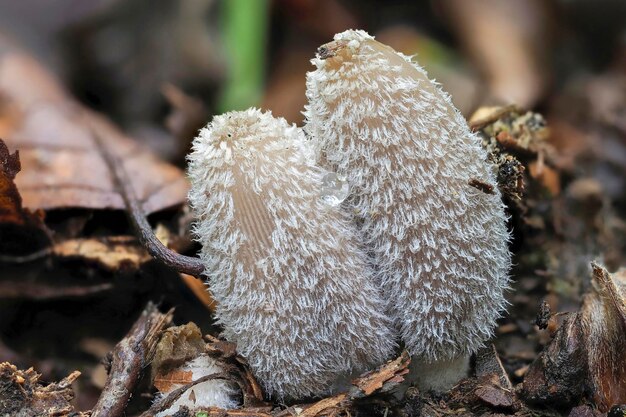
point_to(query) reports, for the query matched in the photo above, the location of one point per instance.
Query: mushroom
(438, 241)
(293, 288)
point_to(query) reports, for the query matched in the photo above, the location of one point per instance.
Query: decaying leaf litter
(562, 185)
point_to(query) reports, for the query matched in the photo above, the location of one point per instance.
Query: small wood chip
(481, 185)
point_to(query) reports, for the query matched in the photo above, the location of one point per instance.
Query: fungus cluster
(305, 282)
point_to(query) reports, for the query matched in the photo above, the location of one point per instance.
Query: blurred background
(153, 66)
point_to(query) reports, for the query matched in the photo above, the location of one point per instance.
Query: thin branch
(130, 356)
(384, 378)
(181, 263)
(20, 259)
(167, 402)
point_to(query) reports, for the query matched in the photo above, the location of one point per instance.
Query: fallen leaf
(21, 230)
(176, 346)
(112, 253)
(166, 382)
(199, 289)
(586, 355)
(483, 392)
(392, 370)
(515, 70)
(186, 382)
(548, 176)
(61, 164)
(604, 323)
(226, 353)
(495, 396)
(488, 362)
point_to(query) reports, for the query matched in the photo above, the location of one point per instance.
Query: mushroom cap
(293, 288)
(439, 244)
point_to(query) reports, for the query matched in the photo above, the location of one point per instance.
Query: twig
(226, 353)
(181, 263)
(129, 358)
(384, 378)
(21, 259)
(167, 402)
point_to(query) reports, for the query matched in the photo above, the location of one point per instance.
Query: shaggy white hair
(294, 290)
(438, 244)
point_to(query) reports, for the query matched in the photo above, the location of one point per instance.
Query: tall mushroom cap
(294, 290)
(439, 242)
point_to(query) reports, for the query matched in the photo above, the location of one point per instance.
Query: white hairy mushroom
(422, 194)
(293, 289)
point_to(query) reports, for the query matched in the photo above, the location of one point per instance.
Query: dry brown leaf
(548, 177)
(164, 382)
(483, 392)
(21, 230)
(495, 396)
(373, 381)
(514, 69)
(488, 362)
(226, 353)
(61, 164)
(176, 346)
(111, 253)
(604, 324)
(199, 289)
(587, 353)
(385, 378)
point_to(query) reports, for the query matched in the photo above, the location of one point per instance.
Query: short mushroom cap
(294, 290)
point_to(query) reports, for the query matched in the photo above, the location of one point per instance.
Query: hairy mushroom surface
(439, 244)
(294, 290)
